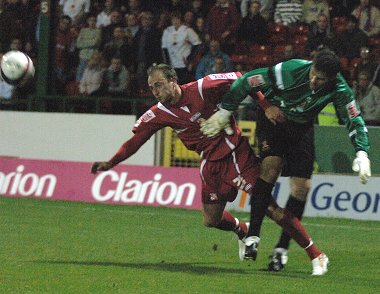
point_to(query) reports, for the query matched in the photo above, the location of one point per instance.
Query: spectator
(119, 45)
(88, 42)
(103, 19)
(16, 44)
(207, 64)
(369, 18)
(222, 23)
(351, 39)
(76, 10)
(188, 19)
(11, 22)
(288, 12)
(266, 9)
(134, 6)
(92, 79)
(198, 9)
(116, 78)
(368, 96)
(312, 8)
(253, 28)
(132, 25)
(289, 53)
(200, 29)
(146, 47)
(180, 44)
(63, 41)
(339, 8)
(164, 21)
(177, 6)
(320, 35)
(116, 81)
(366, 63)
(107, 31)
(30, 9)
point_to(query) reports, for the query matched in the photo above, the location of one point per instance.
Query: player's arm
(126, 150)
(231, 100)
(349, 111)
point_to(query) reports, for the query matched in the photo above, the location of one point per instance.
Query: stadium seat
(72, 88)
(261, 61)
(374, 41)
(239, 58)
(278, 33)
(298, 29)
(260, 49)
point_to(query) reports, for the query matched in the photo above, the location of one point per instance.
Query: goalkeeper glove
(217, 122)
(362, 165)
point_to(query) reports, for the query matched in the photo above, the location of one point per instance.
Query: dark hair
(168, 72)
(328, 62)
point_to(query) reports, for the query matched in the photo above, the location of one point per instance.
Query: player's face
(317, 79)
(162, 89)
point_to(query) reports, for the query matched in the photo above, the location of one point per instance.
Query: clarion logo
(30, 184)
(134, 191)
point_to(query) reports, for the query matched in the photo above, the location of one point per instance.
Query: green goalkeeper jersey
(286, 85)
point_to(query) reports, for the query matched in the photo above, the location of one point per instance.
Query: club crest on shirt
(213, 197)
(147, 116)
(352, 110)
(256, 80)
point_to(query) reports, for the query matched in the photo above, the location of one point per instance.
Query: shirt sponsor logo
(255, 81)
(352, 110)
(225, 76)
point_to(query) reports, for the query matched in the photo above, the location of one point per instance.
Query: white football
(16, 67)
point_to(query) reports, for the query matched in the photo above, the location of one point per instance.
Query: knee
(300, 189)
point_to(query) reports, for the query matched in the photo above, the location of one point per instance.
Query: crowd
(104, 47)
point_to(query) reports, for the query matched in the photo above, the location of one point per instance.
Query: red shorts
(222, 179)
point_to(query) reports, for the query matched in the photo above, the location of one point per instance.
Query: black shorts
(294, 142)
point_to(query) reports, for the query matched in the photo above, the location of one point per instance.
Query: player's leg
(215, 194)
(260, 199)
(300, 158)
(271, 146)
(214, 216)
(299, 188)
(294, 228)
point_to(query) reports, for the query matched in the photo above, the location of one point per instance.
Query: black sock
(260, 198)
(296, 207)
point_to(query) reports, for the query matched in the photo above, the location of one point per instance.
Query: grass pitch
(68, 247)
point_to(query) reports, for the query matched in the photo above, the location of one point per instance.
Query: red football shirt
(199, 101)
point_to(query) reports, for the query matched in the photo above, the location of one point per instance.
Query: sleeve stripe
(278, 73)
(200, 84)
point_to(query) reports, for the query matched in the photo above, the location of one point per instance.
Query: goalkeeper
(298, 89)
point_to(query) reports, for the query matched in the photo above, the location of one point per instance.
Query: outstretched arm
(126, 150)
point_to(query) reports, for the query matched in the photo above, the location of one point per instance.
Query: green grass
(68, 247)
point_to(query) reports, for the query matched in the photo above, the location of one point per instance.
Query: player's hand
(275, 115)
(217, 122)
(362, 165)
(100, 166)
